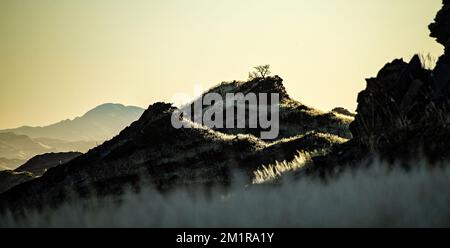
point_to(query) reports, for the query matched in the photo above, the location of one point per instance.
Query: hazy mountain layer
(80, 134)
(13, 146)
(99, 124)
(16, 149)
(9, 164)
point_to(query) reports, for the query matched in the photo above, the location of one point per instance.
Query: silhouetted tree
(261, 71)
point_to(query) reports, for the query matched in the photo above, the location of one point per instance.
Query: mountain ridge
(78, 134)
(97, 124)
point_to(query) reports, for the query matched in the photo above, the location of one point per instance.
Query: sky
(60, 58)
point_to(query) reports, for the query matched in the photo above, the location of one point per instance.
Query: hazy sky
(59, 58)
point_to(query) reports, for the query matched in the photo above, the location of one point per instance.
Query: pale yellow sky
(60, 58)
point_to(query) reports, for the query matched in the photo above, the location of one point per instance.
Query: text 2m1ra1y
(226, 238)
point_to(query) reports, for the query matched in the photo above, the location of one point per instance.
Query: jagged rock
(440, 29)
(402, 114)
(396, 98)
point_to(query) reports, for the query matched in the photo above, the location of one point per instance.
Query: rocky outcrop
(258, 85)
(295, 117)
(396, 99)
(404, 111)
(403, 114)
(440, 30)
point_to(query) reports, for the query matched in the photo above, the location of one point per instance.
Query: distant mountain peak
(98, 124)
(110, 108)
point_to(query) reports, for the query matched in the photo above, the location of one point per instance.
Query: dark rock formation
(343, 111)
(396, 99)
(403, 114)
(440, 30)
(404, 110)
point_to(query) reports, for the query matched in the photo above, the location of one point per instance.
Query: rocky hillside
(152, 150)
(295, 117)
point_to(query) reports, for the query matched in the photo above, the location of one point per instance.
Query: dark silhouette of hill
(38, 165)
(9, 179)
(33, 168)
(98, 124)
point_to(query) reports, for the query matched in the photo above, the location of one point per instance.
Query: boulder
(397, 98)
